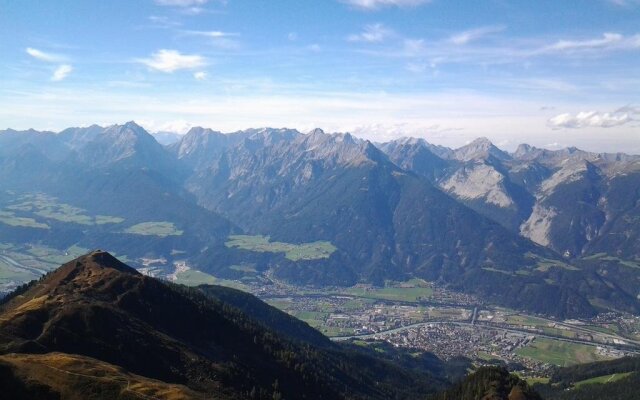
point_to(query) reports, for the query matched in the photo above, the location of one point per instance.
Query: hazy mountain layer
(509, 227)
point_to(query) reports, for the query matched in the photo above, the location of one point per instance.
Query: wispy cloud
(417, 68)
(625, 3)
(595, 119)
(172, 60)
(413, 47)
(501, 51)
(44, 56)
(200, 75)
(543, 84)
(181, 3)
(161, 21)
(224, 40)
(377, 4)
(608, 41)
(190, 7)
(61, 72)
(179, 126)
(373, 33)
(210, 34)
(385, 132)
(471, 35)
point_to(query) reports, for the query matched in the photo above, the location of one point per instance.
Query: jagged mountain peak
(199, 147)
(571, 170)
(128, 128)
(335, 148)
(128, 145)
(482, 141)
(524, 150)
(560, 158)
(196, 137)
(411, 141)
(318, 136)
(480, 149)
(25, 132)
(442, 152)
(201, 131)
(126, 136)
(417, 155)
(316, 131)
(271, 136)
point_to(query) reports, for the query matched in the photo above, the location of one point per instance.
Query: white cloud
(189, 7)
(593, 119)
(61, 72)
(413, 47)
(181, 3)
(43, 56)
(210, 34)
(417, 68)
(377, 4)
(200, 75)
(629, 109)
(625, 3)
(608, 41)
(179, 126)
(374, 33)
(471, 35)
(160, 21)
(315, 48)
(389, 131)
(219, 39)
(537, 84)
(171, 60)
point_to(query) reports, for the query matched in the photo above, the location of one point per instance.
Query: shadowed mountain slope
(97, 307)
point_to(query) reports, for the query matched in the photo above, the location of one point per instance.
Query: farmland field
(603, 379)
(32, 210)
(411, 291)
(559, 353)
(9, 218)
(154, 228)
(294, 252)
(193, 277)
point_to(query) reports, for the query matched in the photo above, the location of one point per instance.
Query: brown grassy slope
(76, 377)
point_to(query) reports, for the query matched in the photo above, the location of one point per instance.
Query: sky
(548, 73)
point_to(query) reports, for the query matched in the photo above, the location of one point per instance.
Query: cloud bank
(594, 119)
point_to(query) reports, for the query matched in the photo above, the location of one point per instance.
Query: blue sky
(550, 73)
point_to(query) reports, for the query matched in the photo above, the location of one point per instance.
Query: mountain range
(554, 232)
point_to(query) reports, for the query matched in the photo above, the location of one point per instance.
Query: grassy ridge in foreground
(59, 375)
